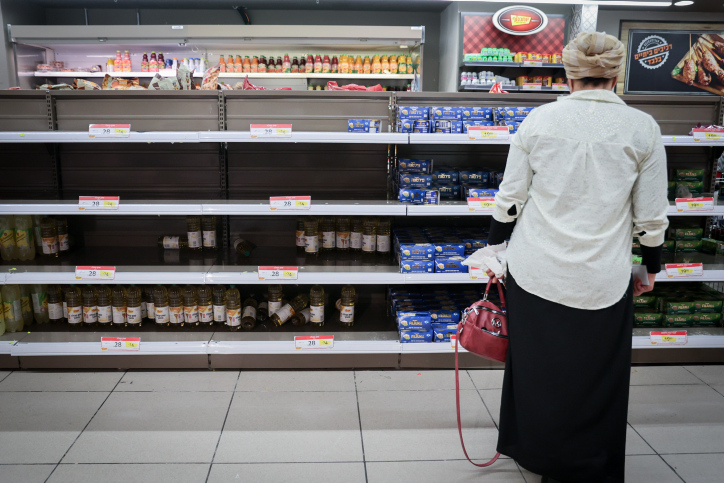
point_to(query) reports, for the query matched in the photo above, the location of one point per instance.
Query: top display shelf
(229, 75)
(543, 65)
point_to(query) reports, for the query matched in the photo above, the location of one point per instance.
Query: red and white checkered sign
(479, 32)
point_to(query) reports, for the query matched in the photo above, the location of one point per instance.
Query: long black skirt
(566, 386)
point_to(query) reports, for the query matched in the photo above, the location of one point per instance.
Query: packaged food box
(444, 327)
(417, 251)
(645, 301)
(412, 336)
(671, 190)
(446, 113)
(669, 246)
(449, 249)
(417, 266)
(690, 174)
(456, 127)
(432, 197)
(449, 192)
(474, 177)
(477, 114)
(682, 320)
(708, 306)
(704, 319)
(419, 181)
(474, 244)
(413, 112)
(696, 188)
(445, 177)
(473, 192)
(363, 125)
(647, 318)
(714, 247)
(444, 335)
(443, 316)
(406, 125)
(414, 166)
(414, 321)
(688, 233)
(411, 195)
(673, 307)
(450, 265)
(421, 126)
(688, 246)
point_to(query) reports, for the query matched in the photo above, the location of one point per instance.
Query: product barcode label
(278, 273)
(314, 342)
(532, 87)
(270, 131)
(282, 203)
(104, 131)
(95, 273)
(453, 338)
(532, 63)
(559, 87)
(684, 270)
(120, 343)
(93, 203)
(703, 134)
(481, 204)
(489, 133)
(694, 204)
(673, 337)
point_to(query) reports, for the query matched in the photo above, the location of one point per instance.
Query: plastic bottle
(152, 63)
(243, 247)
(24, 244)
(127, 67)
(281, 316)
(219, 304)
(173, 242)
(161, 63)
(90, 306)
(262, 311)
(118, 64)
(238, 64)
(309, 65)
(74, 307)
(222, 64)
(279, 67)
(410, 67)
(384, 65)
(233, 309)
(193, 231)
(302, 65)
(105, 308)
(376, 65)
(346, 314)
(7, 238)
(39, 298)
(311, 238)
(174, 64)
(191, 307)
(248, 315)
(344, 64)
(37, 220)
(49, 235)
(318, 64)
(150, 306)
(160, 305)
(328, 234)
(316, 306)
(63, 239)
(295, 66)
(326, 65)
(12, 308)
(369, 237)
(335, 65)
(393, 64)
(302, 317)
(246, 65)
(119, 306)
(26, 306)
(134, 311)
(55, 304)
(175, 306)
(367, 66)
(144, 63)
(301, 242)
(208, 225)
(206, 309)
(383, 237)
(271, 65)
(358, 66)
(262, 65)
(274, 295)
(401, 65)
(342, 241)
(355, 234)
(286, 64)
(229, 63)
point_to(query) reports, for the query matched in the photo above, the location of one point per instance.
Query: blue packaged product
(417, 266)
(445, 177)
(481, 192)
(363, 125)
(467, 124)
(449, 249)
(449, 192)
(414, 320)
(456, 127)
(413, 112)
(443, 335)
(474, 244)
(406, 125)
(421, 126)
(408, 336)
(474, 177)
(519, 113)
(409, 180)
(446, 113)
(477, 114)
(415, 166)
(445, 316)
(442, 130)
(415, 196)
(450, 265)
(417, 251)
(432, 197)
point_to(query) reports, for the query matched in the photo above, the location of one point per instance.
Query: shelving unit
(228, 75)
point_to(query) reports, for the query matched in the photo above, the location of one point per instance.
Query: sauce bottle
(63, 240)
(343, 64)
(376, 65)
(160, 305)
(219, 304)
(311, 237)
(49, 234)
(342, 242)
(103, 303)
(302, 317)
(326, 67)
(134, 311)
(346, 314)
(191, 307)
(262, 65)
(335, 65)
(90, 306)
(175, 306)
(173, 242)
(383, 237)
(246, 66)
(385, 64)
(316, 306)
(309, 66)
(254, 64)
(295, 66)
(358, 66)
(410, 68)
(355, 235)
(369, 237)
(248, 316)
(208, 225)
(274, 295)
(118, 307)
(233, 309)
(55, 304)
(144, 63)
(328, 234)
(206, 309)
(367, 67)
(285, 313)
(401, 65)
(74, 307)
(193, 231)
(301, 242)
(279, 67)
(393, 64)
(286, 64)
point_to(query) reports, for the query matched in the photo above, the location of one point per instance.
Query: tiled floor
(318, 426)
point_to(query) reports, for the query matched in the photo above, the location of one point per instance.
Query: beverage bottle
(401, 65)
(37, 220)
(90, 306)
(369, 237)
(219, 304)
(295, 66)
(148, 301)
(316, 306)
(248, 315)
(246, 65)
(279, 67)
(262, 311)
(12, 308)
(302, 317)
(346, 313)
(334, 67)
(175, 306)
(208, 224)
(127, 62)
(222, 64)
(376, 65)
(105, 307)
(152, 63)
(393, 64)
(326, 66)
(160, 305)
(39, 297)
(358, 66)
(134, 310)
(287, 64)
(383, 237)
(302, 65)
(118, 307)
(285, 313)
(342, 242)
(26, 307)
(328, 234)
(55, 304)
(309, 65)
(233, 309)
(206, 309)
(193, 232)
(173, 242)
(229, 63)
(274, 295)
(300, 242)
(144, 63)
(74, 307)
(271, 65)
(49, 235)
(318, 64)
(355, 235)
(385, 65)
(174, 64)
(344, 64)
(311, 238)
(191, 307)
(24, 244)
(367, 67)
(8, 249)
(262, 64)
(243, 247)
(118, 64)
(410, 67)
(161, 61)
(63, 240)
(238, 64)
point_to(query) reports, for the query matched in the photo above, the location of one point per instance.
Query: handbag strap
(457, 403)
(500, 290)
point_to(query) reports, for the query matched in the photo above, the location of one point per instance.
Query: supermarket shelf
(432, 278)
(698, 338)
(445, 208)
(82, 137)
(439, 138)
(125, 207)
(261, 207)
(229, 75)
(305, 137)
(486, 88)
(687, 141)
(512, 64)
(130, 274)
(717, 211)
(318, 274)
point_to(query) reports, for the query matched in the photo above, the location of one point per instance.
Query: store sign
(520, 20)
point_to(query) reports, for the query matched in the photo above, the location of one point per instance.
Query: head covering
(593, 54)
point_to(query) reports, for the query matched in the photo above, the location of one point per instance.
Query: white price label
(120, 343)
(95, 273)
(532, 63)
(278, 273)
(314, 342)
(710, 135)
(559, 87)
(694, 204)
(684, 270)
(453, 338)
(486, 204)
(489, 133)
(477, 273)
(672, 337)
(270, 131)
(104, 131)
(285, 203)
(94, 203)
(532, 87)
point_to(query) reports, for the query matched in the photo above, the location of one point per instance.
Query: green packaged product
(688, 234)
(708, 306)
(681, 320)
(672, 189)
(647, 318)
(714, 247)
(702, 319)
(669, 246)
(696, 188)
(690, 174)
(673, 307)
(645, 301)
(688, 246)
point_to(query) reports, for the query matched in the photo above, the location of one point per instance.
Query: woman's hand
(640, 288)
(491, 274)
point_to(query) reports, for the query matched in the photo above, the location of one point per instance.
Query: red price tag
(285, 203)
(95, 203)
(694, 204)
(120, 343)
(278, 273)
(104, 131)
(489, 133)
(684, 270)
(672, 337)
(314, 342)
(95, 273)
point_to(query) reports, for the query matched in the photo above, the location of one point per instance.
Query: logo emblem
(497, 323)
(520, 20)
(653, 51)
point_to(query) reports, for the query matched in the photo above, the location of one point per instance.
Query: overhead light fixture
(684, 3)
(603, 3)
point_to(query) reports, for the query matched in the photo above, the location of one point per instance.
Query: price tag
(120, 343)
(314, 342)
(672, 337)
(278, 273)
(95, 273)
(708, 134)
(532, 63)
(694, 204)
(489, 133)
(104, 131)
(271, 131)
(559, 87)
(477, 273)
(684, 270)
(486, 204)
(94, 203)
(453, 338)
(532, 87)
(285, 203)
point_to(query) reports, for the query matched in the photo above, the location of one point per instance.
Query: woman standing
(584, 175)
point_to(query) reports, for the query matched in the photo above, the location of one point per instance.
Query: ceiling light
(613, 3)
(684, 3)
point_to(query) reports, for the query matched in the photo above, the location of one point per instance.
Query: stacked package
(436, 250)
(445, 120)
(419, 184)
(674, 305)
(685, 240)
(689, 184)
(511, 117)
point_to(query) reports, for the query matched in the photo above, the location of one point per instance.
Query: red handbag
(483, 331)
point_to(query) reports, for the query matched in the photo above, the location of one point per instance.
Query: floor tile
(124, 473)
(708, 374)
(4, 374)
(645, 469)
(653, 375)
(492, 379)
(40, 427)
(289, 473)
(324, 381)
(697, 468)
(291, 427)
(153, 427)
(60, 381)
(422, 425)
(491, 398)
(676, 419)
(502, 471)
(25, 473)
(426, 380)
(178, 381)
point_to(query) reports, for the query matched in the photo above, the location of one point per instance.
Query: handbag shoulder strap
(457, 403)
(500, 290)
